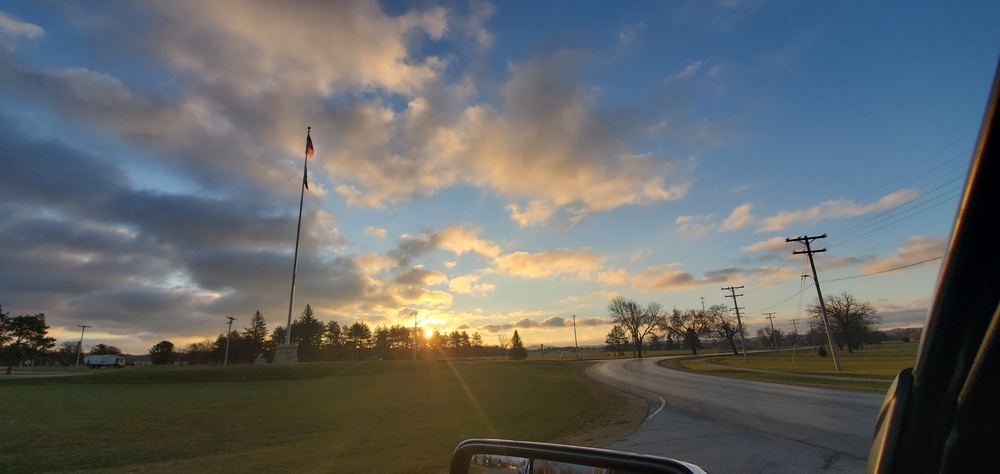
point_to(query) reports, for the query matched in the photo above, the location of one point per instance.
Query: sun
(428, 332)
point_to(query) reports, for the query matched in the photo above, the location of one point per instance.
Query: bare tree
(723, 325)
(635, 319)
(503, 342)
(688, 326)
(771, 337)
(849, 318)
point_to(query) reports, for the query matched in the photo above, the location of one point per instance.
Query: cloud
(834, 209)
(351, 44)
(689, 71)
(467, 284)
(551, 322)
(666, 278)
(377, 232)
(12, 29)
(536, 212)
(628, 33)
(911, 313)
(473, 25)
(738, 219)
(581, 264)
(774, 244)
(694, 227)
(601, 295)
(913, 250)
(670, 277)
(545, 122)
(461, 240)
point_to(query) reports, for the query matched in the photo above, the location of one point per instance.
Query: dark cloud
(412, 248)
(906, 318)
(550, 322)
(84, 246)
(554, 322)
(593, 322)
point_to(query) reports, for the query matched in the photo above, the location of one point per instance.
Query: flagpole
(298, 231)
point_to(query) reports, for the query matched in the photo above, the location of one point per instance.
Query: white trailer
(104, 360)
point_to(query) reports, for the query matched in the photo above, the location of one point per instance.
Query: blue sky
(489, 166)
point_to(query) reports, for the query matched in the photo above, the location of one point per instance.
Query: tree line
(319, 341)
(24, 340)
(638, 328)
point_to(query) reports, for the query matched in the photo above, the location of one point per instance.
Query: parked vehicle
(104, 360)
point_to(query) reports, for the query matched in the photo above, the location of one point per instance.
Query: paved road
(731, 425)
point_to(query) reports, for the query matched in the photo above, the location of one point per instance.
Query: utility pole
(576, 345)
(414, 335)
(228, 334)
(795, 332)
(826, 322)
(774, 339)
(79, 345)
(702, 304)
(739, 322)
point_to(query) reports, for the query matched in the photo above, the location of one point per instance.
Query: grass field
(336, 417)
(875, 362)
(399, 416)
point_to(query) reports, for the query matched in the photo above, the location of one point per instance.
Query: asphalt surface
(731, 425)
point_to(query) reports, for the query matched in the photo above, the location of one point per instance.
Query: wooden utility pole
(774, 339)
(576, 344)
(79, 345)
(795, 332)
(229, 332)
(739, 322)
(822, 306)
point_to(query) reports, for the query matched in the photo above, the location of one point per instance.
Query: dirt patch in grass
(622, 414)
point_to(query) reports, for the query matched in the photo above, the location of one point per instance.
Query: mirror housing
(507, 456)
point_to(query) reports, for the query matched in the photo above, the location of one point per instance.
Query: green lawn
(875, 361)
(337, 417)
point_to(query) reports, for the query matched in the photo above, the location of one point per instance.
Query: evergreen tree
(477, 344)
(21, 337)
(307, 332)
(517, 350)
(616, 341)
(255, 335)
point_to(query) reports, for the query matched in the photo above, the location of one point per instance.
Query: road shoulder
(623, 414)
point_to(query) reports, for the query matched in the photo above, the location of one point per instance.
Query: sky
(483, 167)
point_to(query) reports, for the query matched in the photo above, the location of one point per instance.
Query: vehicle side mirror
(505, 456)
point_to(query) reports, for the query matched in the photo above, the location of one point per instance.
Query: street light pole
(228, 334)
(79, 345)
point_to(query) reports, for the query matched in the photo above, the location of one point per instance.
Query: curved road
(732, 425)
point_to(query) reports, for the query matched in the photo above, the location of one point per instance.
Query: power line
(925, 160)
(903, 209)
(806, 286)
(782, 301)
(887, 271)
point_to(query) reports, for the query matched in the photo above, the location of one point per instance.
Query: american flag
(309, 146)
